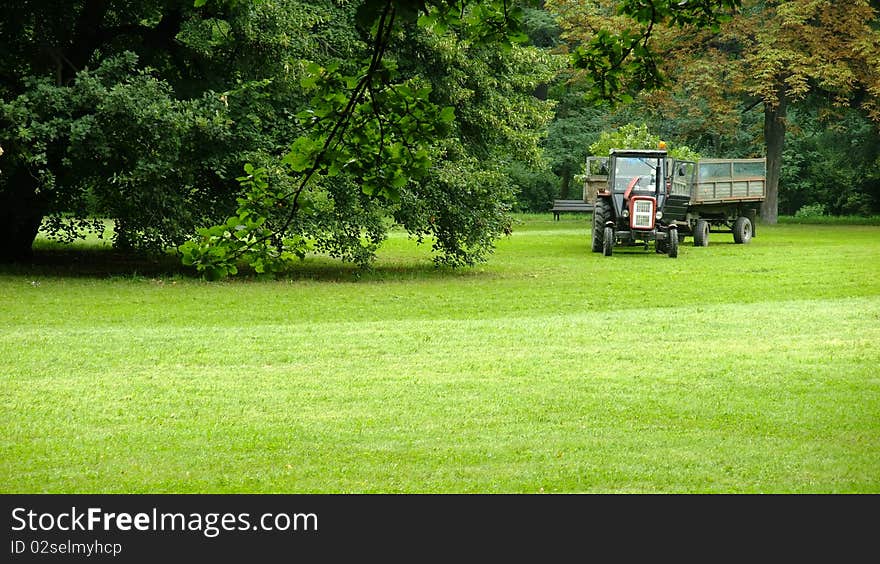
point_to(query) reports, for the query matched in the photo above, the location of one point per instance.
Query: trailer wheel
(608, 242)
(752, 214)
(672, 249)
(701, 233)
(742, 230)
(600, 216)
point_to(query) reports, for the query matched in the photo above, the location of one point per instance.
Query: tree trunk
(21, 212)
(565, 184)
(774, 139)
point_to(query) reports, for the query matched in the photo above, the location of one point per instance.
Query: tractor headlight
(659, 214)
(625, 213)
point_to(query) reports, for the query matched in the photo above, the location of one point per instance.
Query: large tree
(143, 112)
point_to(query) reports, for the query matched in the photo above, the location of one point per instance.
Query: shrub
(810, 211)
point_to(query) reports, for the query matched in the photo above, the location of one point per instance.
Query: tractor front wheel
(672, 245)
(608, 242)
(601, 214)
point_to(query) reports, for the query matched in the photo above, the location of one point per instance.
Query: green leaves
(376, 132)
(620, 60)
(303, 154)
(447, 115)
(636, 136)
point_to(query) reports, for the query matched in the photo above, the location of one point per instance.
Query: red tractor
(629, 210)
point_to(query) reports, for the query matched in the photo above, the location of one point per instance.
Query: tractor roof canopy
(650, 153)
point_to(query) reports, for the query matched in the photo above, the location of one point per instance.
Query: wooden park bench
(577, 206)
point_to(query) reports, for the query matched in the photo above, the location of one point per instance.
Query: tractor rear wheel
(742, 230)
(672, 245)
(701, 233)
(608, 242)
(601, 214)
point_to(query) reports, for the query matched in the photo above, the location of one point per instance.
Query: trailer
(709, 195)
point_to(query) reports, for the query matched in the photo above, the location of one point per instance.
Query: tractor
(628, 210)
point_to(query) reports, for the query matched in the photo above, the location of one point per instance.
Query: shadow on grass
(95, 263)
(103, 263)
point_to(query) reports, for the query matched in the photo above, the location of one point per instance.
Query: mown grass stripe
(644, 375)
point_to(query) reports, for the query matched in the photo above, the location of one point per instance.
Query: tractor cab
(637, 182)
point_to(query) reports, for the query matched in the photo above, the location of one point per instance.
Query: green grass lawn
(732, 369)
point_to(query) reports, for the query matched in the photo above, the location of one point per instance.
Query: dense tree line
(258, 131)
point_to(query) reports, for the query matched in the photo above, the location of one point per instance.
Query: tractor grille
(642, 214)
